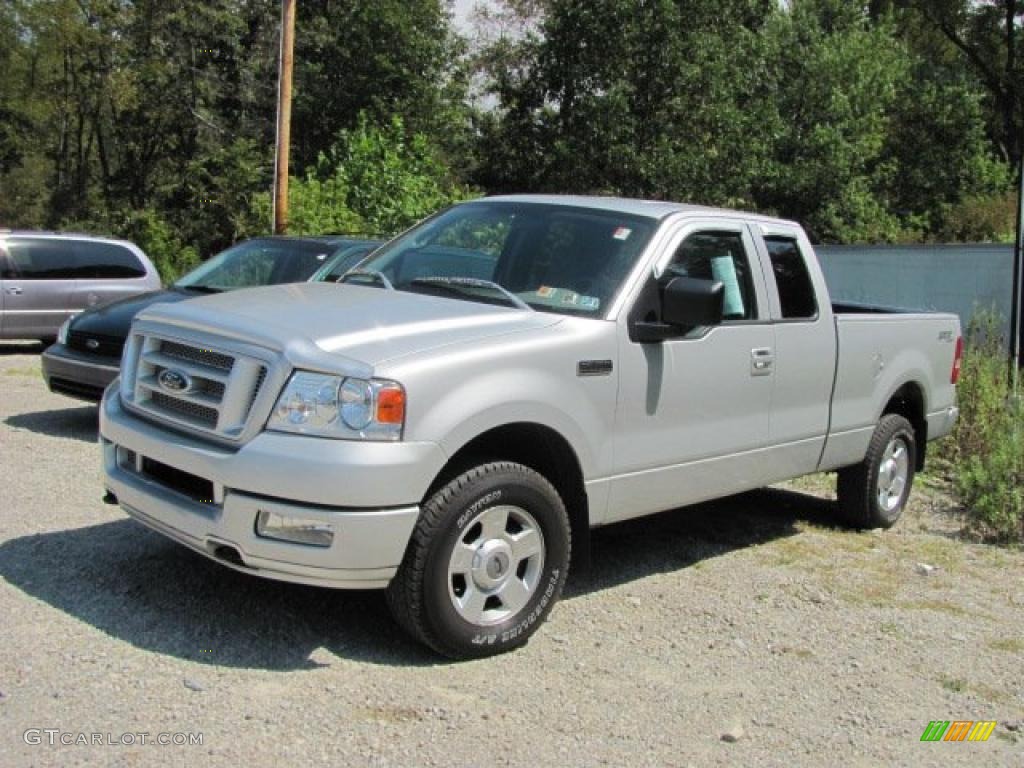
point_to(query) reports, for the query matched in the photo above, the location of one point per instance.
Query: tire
(873, 494)
(486, 562)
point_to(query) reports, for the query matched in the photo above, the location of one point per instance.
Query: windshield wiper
(472, 282)
(371, 273)
(201, 288)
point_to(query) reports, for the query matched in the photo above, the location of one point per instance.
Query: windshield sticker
(622, 233)
(567, 298)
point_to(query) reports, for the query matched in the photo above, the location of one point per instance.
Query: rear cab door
(805, 349)
(107, 271)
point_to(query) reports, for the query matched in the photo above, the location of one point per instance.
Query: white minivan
(46, 277)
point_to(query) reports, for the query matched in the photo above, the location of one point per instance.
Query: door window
(720, 256)
(107, 260)
(40, 259)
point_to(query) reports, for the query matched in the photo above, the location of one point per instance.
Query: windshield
(258, 262)
(555, 258)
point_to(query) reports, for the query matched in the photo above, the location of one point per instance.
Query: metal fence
(948, 278)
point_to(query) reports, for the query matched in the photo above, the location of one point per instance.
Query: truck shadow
(680, 538)
(22, 348)
(80, 423)
(137, 586)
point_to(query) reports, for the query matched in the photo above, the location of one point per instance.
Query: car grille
(193, 387)
(96, 343)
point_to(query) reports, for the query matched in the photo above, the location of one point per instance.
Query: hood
(115, 318)
(361, 323)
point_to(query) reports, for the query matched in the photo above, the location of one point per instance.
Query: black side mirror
(689, 302)
(686, 302)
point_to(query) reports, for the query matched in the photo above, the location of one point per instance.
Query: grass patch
(941, 606)
(954, 684)
(27, 370)
(981, 690)
(1008, 644)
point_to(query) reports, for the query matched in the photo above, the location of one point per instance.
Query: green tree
(645, 98)
(372, 181)
(989, 36)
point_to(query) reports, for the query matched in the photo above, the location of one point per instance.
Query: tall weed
(988, 444)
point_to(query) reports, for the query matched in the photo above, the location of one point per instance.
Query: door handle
(762, 361)
(13, 291)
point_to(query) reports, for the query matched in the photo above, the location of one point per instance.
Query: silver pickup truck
(481, 392)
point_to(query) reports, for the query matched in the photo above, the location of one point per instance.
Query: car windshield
(554, 258)
(258, 262)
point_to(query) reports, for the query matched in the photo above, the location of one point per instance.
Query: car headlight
(62, 334)
(336, 406)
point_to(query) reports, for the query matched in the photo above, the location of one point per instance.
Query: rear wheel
(873, 494)
(486, 562)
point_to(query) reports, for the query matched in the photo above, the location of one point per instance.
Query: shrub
(988, 445)
(374, 180)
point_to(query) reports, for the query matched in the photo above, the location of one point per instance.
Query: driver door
(692, 415)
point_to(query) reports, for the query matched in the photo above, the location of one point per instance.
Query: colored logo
(175, 381)
(958, 730)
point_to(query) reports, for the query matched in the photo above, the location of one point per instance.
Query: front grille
(201, 414)
(194, 487)
(213, 389)
(260, 378)
(198, 355)
(193, 387)
(96, 343)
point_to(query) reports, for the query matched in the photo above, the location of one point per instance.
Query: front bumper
(77, 374)
(367, 492)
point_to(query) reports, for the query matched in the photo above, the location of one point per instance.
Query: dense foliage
(888, 120)
(987, 449)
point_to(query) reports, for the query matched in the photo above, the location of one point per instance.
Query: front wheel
(873, 494)
(487, 561)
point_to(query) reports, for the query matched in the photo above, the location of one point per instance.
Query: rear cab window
(797, 298)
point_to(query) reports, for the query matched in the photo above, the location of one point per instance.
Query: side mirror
(689, 302)
(686, 302)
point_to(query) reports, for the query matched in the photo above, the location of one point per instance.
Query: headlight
(333, 406)
(62, 334)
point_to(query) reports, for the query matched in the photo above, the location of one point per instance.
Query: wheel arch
(908, 401)
(546, 451)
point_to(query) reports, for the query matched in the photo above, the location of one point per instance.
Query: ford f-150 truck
(478, 394)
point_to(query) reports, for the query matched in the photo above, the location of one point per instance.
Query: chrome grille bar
(192, 387)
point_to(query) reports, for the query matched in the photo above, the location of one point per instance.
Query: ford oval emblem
(172, 380)
(92, 344)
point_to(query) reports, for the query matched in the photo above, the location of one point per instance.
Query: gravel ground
(748, 632)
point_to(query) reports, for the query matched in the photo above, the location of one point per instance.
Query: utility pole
(1015, 305)
(284, 116)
